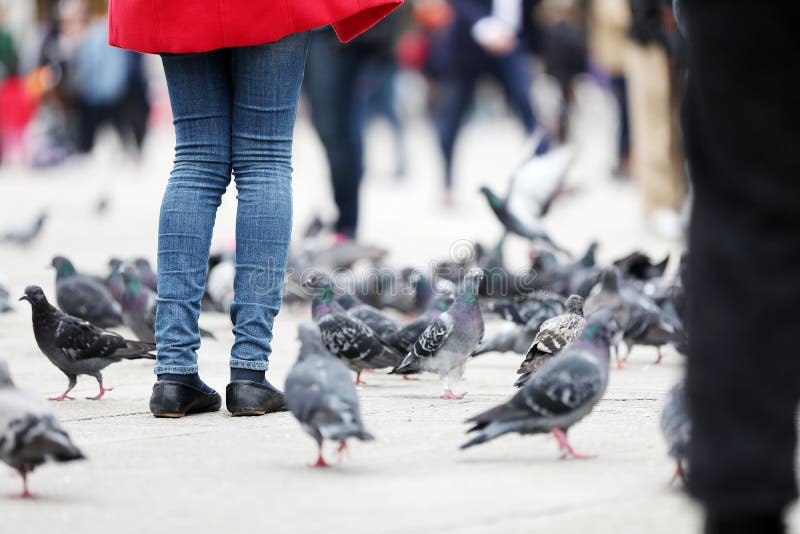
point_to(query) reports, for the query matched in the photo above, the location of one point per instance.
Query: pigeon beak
(23, 297)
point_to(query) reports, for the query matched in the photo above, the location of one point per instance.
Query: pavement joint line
(104, 417)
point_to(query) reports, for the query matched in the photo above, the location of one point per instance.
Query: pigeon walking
(676, 427)
(84, 297)
(78, 347)
(5, 295)
(562, 392)
(321, 395)
(346, 337)
(29, 434)
(552, 337)
(449, 340)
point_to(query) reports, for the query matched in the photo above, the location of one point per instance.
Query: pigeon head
(310, 340)
(493, 199)
(115, 264)
(575, 304)
(600, 327)
(318, 284)
(34, 295)
(472, 283)
(443, 302)
(143, 264)
(132, 278)
(63, 266)
(5, 375)
(610, 278)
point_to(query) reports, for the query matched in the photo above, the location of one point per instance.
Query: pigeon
(139, 306)
(149, 278)
(449, 340)
(677, 428)
(346, 337)
(554, 335)
(321, 395)
(562, 392)
(29, 434)
(403, 340)
(24, 233)
(606, 295)
(380, 323)
(534, 186)
(639, 266)
(5, 295)
(577, 277)
(219, 284)
(84, 297)
(78, 347)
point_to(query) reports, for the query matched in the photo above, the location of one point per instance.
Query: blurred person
(234, 82)
(485, 37)
(743, 378)
(653, 96)
(609, 25)
(340, 79)
(107, 84)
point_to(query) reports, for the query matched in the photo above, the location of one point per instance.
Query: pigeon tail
(136, 350)
(208, 334)
(349, 431)
(522, 380)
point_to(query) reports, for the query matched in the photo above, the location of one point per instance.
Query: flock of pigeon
(564, 317)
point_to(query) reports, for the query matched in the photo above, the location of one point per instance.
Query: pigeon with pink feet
(29, 434)
(562, 392)
(450, 339)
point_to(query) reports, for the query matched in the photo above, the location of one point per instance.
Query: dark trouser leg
(744, 288)
(620, 90)
(455, 98)
(330, 84)
(514, 74)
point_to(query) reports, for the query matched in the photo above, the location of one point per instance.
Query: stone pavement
(214, 473)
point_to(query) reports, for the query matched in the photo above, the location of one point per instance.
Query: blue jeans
(234, 110)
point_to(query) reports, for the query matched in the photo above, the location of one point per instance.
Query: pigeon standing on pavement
(321, 395)
(113, 281)
(84, 297)
(403, 340)
(677, 428)
(5, 295)
(562, 392)
(346, 337)
(552, 337)
(29, 434)
(380, 323)
(25, 232)
(78, 347)
(449, 340)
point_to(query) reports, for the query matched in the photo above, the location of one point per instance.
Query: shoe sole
(170, 415)
(247, 413)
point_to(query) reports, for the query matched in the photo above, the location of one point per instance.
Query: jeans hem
(251, 365)
(176, 369)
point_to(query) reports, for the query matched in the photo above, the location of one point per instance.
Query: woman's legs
(200, 94)
(266, 87)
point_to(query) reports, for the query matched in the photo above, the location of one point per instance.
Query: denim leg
(266, 87)
(200, 94)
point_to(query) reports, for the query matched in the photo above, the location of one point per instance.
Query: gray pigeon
(450, 339)
(113, 281)
(29, 434)
(511, 337)
(562, 392)
(529, 310)
(403, 340)
(677, 428)
(149, 277)
(380, 323)
(346, 337)
(321, 395)
(78, 347)
(25, 232)
(139, 306)
(552, 337)
(5, 295)
(83, 296)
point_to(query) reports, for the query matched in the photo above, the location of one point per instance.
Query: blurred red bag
(181, 26)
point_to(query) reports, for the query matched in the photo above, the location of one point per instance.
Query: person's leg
(200, 94)
(331, 87)
(620, 92)
(455, 98)
(743, 378)
(266, 88)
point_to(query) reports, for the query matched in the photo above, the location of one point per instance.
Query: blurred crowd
(60, 83)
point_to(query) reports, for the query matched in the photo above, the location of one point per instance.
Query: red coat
(182, 26)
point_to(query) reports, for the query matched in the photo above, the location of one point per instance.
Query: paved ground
(213, 473)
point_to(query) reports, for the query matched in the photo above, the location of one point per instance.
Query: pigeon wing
(79, 339)
(434, 336)
(561, 386)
